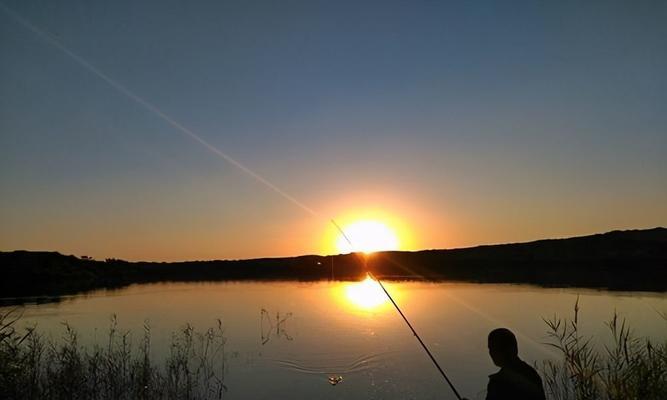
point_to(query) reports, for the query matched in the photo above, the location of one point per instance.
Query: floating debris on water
(335, 380)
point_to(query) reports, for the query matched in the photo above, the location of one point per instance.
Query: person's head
(502, 346)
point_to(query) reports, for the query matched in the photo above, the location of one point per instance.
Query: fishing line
(49, 38)
(407, 322)
(414, 332)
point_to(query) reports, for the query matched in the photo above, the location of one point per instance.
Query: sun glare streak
(367, 236)
(54, 41)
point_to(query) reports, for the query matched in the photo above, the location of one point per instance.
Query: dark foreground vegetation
(622, 260)
(630, 368)
(33, 367)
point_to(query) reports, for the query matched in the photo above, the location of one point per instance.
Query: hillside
(623, 260)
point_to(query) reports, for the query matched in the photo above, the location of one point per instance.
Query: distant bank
(618, 260)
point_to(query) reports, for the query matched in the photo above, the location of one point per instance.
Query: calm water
(348, 329)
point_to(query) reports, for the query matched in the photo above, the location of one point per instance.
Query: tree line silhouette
(618, 260)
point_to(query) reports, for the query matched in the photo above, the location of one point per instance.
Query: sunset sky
(452, 123)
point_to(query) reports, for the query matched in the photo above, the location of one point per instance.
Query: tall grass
(626, 368)
(34, 367)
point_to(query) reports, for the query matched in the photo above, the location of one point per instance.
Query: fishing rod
(407, 322)
(54, 41)
(414, 332)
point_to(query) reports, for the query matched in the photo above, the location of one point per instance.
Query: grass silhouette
(32, 366)
(628, 368)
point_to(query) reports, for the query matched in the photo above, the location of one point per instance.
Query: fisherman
(516, 379)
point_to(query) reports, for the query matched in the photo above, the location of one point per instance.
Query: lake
(285, 339)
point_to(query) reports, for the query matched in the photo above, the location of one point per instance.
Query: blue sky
(471, 122)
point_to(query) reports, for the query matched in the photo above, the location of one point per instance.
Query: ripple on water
(333, 363)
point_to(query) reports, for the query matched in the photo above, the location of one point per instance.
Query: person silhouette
(516, 379)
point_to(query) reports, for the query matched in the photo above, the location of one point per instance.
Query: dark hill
(624, 260)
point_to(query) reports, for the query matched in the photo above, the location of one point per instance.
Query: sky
(454, 123)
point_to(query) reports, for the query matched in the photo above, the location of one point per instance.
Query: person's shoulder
(499, 380)
(495, 387)
(536, 389)
(498, 376)
(529, 370)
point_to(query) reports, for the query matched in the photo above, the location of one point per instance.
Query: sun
(367, 236)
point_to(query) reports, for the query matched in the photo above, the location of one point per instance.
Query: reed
(32, 366)
(627, 367)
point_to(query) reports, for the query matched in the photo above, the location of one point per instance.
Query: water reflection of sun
(366, 295)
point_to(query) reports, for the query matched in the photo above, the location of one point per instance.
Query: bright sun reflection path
(367, 236)
(366, 294)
